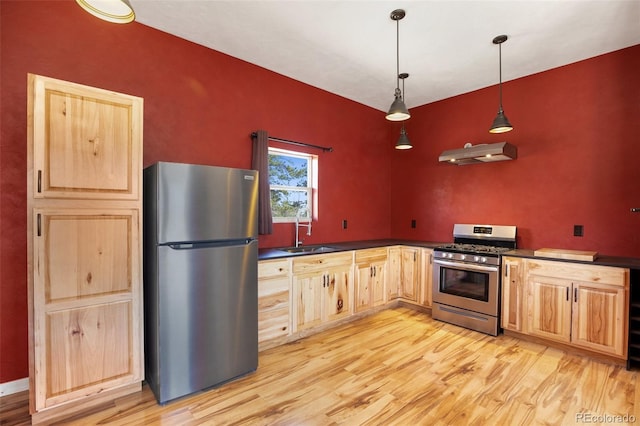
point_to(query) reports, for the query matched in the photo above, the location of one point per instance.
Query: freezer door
(206, 318)
(203, 203)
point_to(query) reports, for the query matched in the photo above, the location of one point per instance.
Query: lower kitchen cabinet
(370, 290)
(274, 283)
(581, 305)
(322, 286)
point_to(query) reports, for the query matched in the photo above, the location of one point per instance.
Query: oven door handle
(467, 266)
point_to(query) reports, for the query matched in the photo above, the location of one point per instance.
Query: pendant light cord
(398, 56)
(500, 73)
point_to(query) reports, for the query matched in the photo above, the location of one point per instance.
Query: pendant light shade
(116, 11)
(403, 141)
(398, 110)
(500, 123)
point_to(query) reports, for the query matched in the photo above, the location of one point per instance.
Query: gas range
(466, 276)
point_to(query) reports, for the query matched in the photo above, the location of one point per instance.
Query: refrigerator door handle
(201, 245)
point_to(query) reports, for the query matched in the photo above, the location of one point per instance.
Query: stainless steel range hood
(481, 153)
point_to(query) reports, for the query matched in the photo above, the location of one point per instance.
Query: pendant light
(398, 110)
(403, 142)
(116, 11)
(500, 123)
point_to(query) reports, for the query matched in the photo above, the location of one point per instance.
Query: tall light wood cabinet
(84, 246)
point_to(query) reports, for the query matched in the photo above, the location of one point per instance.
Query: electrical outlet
(413, 223)
(578, 230)
(344, 223)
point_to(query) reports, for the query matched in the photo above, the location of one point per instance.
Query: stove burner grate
(473, 248)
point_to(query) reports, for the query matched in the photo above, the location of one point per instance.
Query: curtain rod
(274, 139)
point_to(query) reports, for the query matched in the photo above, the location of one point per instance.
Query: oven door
(466, 286)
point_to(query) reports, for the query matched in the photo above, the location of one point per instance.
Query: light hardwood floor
(396, 367)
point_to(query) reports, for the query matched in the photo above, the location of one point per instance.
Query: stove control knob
(476, 259)
(463, 257)
(450, 255)
(483, 259)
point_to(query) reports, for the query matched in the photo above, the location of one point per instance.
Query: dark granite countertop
(603, 260)
(277, 253)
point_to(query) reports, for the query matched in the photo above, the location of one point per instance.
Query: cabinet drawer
(272, 324)
(370, 255)
(273, 268)
(579, 272)
(321, 262)
(273, 294)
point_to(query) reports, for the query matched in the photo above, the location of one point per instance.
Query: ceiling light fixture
(398, 110)
(116, 11)
(500, 123)
(403, 142)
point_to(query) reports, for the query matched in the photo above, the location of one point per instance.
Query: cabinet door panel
(309, 300)
(410, 273)
(85, 253)
(363, 289)
(550, 308)
(598, 318)
(88, 346)
(86, 142)
(426, 278)
(513, 298)
(378, 283)
(395, 273)
(337, 294)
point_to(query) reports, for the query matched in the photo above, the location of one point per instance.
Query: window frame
(312, 180)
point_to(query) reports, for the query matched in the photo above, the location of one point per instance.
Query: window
(292, 180)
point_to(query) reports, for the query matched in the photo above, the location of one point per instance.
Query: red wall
(200, 106)
(577, 129)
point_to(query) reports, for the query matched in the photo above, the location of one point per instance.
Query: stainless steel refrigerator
(200, 277)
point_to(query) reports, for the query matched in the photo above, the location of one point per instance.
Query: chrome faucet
(298, 224)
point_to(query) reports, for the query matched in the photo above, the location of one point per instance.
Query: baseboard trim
(15, 386)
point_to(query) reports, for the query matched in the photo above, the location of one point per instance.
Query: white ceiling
(349, 47)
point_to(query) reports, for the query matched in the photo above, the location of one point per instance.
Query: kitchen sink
(309, 249)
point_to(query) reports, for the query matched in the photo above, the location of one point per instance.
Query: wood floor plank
(396, 367)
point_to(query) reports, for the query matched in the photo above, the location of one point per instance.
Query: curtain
(260, 163)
